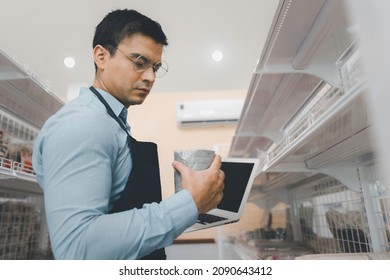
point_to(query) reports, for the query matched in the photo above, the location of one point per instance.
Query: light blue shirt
(82, 162)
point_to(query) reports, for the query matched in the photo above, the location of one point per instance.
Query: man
(101, 186)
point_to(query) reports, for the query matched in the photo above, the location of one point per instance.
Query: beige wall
(155, 120)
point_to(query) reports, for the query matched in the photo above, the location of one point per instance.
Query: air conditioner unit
(209, 112)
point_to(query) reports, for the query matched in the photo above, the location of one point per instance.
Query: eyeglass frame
(148, 64)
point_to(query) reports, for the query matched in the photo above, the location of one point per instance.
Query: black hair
(119, 24)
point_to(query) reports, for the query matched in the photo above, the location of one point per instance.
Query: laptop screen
(237, 175)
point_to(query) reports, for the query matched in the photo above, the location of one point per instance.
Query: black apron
(143, 185)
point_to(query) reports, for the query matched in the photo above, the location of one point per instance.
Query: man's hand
(205, 186)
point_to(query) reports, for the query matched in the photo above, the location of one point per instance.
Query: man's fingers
(216, 164)
(178, 166)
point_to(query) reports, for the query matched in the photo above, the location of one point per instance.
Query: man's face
(118, 74)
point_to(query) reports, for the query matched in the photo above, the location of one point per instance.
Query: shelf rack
(307, 119)
(25, 104)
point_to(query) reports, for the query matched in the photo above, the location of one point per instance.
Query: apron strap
(109, 110)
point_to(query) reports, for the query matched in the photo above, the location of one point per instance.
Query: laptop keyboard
(205, 218)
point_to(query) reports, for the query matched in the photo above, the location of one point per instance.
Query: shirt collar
(114, 103)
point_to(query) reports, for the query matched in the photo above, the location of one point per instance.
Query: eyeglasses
(141, 64)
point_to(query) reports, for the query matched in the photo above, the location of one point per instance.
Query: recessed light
(69, 62)
(217, 55)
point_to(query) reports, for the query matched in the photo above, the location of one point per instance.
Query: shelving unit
(25, 104)
(307, 119)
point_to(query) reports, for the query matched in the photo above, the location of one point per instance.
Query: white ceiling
(42, 33)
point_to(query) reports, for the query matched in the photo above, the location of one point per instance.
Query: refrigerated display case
(306, 117)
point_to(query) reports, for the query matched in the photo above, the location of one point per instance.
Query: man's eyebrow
(135, 55)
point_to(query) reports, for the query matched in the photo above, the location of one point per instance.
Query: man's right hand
(205, 186)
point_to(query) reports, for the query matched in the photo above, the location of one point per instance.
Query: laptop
(239, 176)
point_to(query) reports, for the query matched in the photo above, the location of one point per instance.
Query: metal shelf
(305, 109)
(307, 119)
(25, 104)
(24, 95)
(18, 177)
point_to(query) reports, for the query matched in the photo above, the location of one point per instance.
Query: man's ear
(100, 55)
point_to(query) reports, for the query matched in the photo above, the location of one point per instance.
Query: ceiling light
(217, 56)
(69, 62)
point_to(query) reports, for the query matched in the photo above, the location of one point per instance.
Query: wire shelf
(22, 227)
(331, 217)
(325, 101)
(23, 230)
